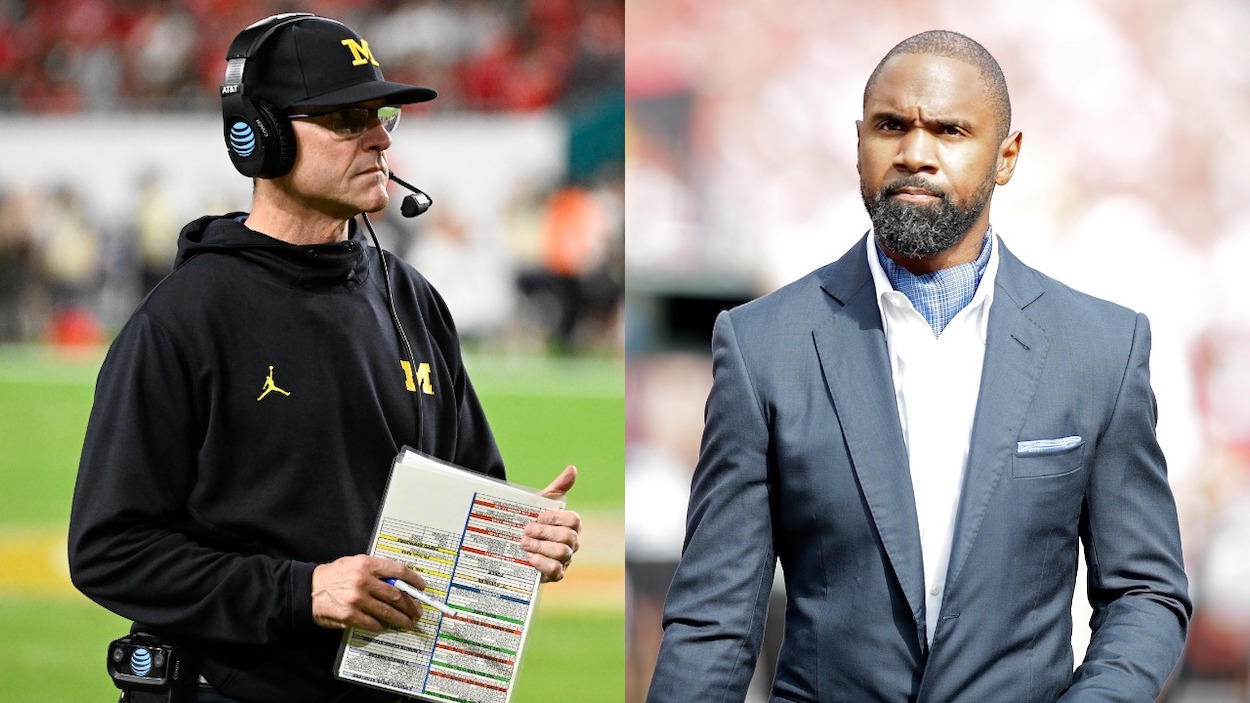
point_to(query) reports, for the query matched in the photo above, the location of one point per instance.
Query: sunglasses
(350, 122)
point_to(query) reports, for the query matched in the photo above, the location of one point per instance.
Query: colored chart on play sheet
(461, 532)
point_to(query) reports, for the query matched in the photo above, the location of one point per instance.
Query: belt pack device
(148, 670)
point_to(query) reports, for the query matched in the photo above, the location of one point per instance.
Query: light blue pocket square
(1035, 447)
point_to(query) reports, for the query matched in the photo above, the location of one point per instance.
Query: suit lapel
(852, 350)
(1015, 349)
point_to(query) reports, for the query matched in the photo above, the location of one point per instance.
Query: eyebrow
(929, 122)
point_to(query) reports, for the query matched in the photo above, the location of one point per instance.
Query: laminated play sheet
(461, 531)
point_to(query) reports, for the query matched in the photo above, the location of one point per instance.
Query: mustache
(911, 182)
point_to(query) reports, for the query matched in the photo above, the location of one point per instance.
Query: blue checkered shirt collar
(938, 295)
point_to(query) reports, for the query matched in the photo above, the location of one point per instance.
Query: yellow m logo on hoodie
(422, 377)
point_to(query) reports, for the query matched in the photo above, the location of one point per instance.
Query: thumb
(562, 484)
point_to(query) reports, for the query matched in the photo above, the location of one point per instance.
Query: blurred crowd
(484, 55)
(51, 265)
(556, 287)
(552, 281)
(740, 177)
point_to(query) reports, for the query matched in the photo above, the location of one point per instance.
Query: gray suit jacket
(803, 460)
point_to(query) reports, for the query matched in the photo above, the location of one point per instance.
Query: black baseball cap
(318, 62)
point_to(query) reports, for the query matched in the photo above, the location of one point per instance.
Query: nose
(376, 138)
(917, 152)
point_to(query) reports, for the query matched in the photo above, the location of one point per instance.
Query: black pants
(208, 695)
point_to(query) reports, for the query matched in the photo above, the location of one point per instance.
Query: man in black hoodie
(246, 416)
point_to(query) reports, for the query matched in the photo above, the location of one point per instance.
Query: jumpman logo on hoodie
(271, 386)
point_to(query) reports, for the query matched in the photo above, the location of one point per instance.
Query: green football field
(545, 413)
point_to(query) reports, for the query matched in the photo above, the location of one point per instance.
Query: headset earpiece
(259, 139)
(274, 150)
(283, 141)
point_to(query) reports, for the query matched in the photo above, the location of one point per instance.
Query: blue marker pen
(421, 597)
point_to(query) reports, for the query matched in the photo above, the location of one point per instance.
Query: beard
(918, 231)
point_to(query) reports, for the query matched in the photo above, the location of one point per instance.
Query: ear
(1008, 152)
(859, 130)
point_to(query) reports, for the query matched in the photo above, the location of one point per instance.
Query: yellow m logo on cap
(360, 52)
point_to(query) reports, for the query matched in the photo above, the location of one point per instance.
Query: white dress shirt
(936, 384)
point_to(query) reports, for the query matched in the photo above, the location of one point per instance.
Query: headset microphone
(414, 204)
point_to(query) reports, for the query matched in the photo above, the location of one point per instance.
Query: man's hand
(350, 592)
(551, 541)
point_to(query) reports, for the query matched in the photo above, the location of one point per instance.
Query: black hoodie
(244, 424)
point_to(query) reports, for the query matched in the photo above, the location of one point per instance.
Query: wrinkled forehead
(931, 84)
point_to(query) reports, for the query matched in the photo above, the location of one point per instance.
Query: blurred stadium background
(740, 176)
(110, 141)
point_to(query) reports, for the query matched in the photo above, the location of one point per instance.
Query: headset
(260, 140)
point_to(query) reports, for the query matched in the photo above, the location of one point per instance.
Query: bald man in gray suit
(921, 432)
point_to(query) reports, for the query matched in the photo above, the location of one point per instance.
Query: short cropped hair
(939, 42)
